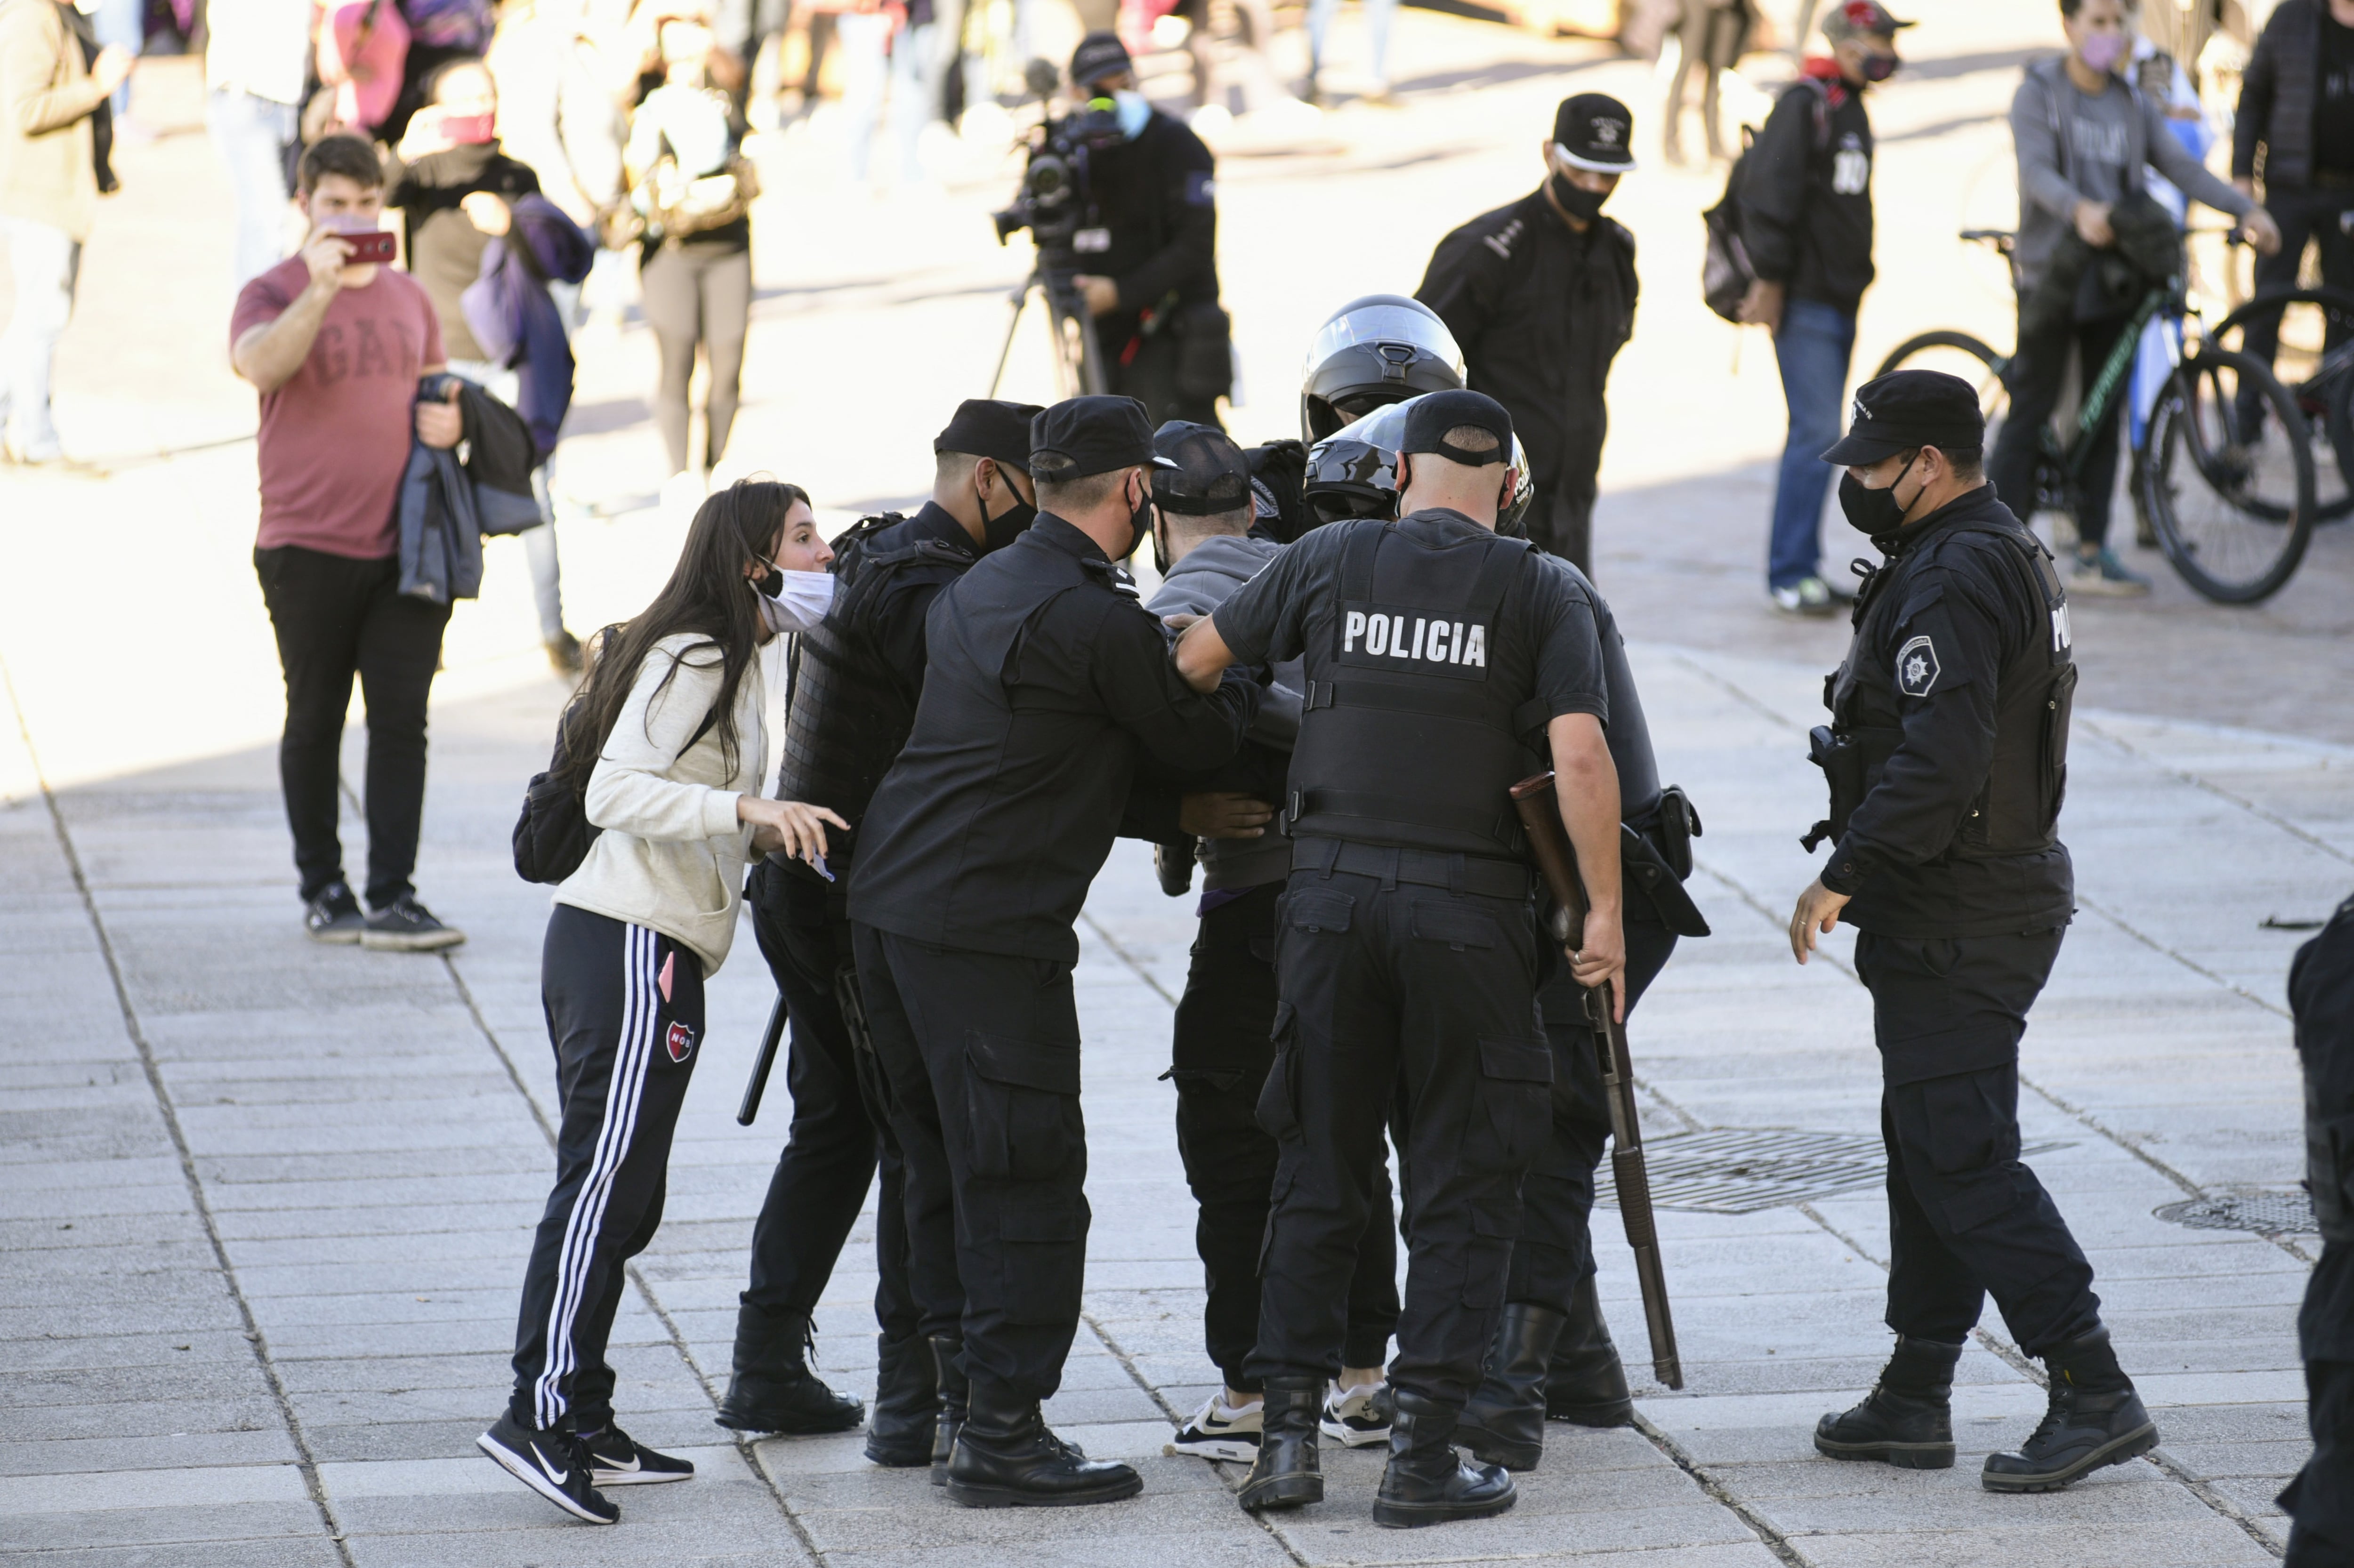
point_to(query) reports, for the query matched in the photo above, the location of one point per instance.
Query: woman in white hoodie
(676, 697)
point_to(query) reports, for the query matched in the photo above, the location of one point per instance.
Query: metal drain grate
(2268, 1212)
(1732, 1170)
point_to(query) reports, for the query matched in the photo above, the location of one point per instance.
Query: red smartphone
(373, 245)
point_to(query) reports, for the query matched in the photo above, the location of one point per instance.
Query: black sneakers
(552, 1462)
(334, 916)
(615, 1461)
(405, 926)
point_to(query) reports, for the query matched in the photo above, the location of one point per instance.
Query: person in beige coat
(50, 86)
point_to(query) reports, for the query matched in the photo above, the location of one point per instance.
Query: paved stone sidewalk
(266, 1204)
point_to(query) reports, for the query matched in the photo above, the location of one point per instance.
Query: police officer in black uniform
(1047, 678)
(1541, 294)
(854, 680)
(1149, 249)
(1947, 759)
(2320, 1502)
(1438, 656)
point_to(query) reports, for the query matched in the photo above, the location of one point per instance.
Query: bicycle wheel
(2315, 360)
(2233, 507)
(1957, 353)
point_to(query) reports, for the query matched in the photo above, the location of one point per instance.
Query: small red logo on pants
(680, 1041)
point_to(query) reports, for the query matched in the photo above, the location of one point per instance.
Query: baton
(767, 1059)
(1556, 860)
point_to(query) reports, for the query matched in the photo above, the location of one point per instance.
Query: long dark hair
(706, 597)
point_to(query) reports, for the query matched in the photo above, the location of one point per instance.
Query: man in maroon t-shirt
(336, 351)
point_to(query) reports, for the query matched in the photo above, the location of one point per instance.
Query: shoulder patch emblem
(1917, 667)
(1502, 240)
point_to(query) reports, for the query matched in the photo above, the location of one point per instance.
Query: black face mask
(1159, 554)
(1582, 205)
(1140, 523)
(1879, 67)
(1002, 529)
(1877, 513)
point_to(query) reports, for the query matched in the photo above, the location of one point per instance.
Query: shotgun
(769, 1039)
(1556, 860)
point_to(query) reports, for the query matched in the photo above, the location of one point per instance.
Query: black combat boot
(1504, 1423)
(1425, 1482)
(772, 1388)
(2096, 1418)
(1287, 1472)
(907, 1403)
(947, 1358)
(1907, 1418)
(1587, 1384)
(1006, 1457)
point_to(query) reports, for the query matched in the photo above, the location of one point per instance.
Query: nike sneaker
(1358, 1416)
(1218, 1431)
(615, 1461)
(551, 1462)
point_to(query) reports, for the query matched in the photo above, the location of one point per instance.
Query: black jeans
(697, 295)
(2320, 1500)
(336, 618)
(1224, 1046)
(1966, 1217)
(840, 1137)
(2038, 370)
(624, 1008)
(2304, 214)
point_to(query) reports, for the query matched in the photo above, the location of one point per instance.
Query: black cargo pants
(1393, 990)
(1220, 1056)
(981, 1052)
(1966, 1218)
(2320, 1500)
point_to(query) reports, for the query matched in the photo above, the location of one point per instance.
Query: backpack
(552, 836)
(1726, 272)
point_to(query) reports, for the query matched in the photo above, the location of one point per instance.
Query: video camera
(1054, 197)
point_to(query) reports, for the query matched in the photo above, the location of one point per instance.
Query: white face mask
(1133, 109)
(801, 603)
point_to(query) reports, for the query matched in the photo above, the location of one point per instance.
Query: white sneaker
(1218, 1431)
(1807, 596)
(1359, 1416)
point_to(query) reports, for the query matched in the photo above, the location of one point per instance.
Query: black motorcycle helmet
(1376, 350)
(1353, 473)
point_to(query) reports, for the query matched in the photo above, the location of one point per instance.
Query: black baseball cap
(1433, 414)
(1100, 54)
(1081, 435)
(1595, 130)
(990, 428)
(1908, 409)
(1211, 475)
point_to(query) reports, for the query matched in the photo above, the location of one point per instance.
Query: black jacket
(2321, 992)
(1158, 197)
(2276, 98)
(1540, 311)
(1046, 678)
(1806, 194)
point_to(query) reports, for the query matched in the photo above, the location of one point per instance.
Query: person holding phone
(335, 342)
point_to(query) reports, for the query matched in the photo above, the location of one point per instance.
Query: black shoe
(948, 1356)
(564, 653)
(907, 1403)
(1906, 1420)
(334, 916)
(1006, 1457)
(2096, 1418)
(616, 1461)
(1287, 1472)
(405, 926)
(552, 1462)
(1504, 1423)
(1587, 1384)
(1425, 1482)
(771, 1388)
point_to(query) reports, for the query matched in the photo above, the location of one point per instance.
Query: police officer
(1206, 546)
(854, 679)
(1047, 678)
(1947, 756)
(2320, 1502)
(1541, 294)
(1437, 655)
(1151, 248)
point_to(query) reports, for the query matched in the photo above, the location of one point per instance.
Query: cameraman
(1152, 227)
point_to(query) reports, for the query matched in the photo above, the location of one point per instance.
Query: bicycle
(2313, 331)
(2231, 506)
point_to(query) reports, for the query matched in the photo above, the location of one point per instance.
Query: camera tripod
(1078, 359)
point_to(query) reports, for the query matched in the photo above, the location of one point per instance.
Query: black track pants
(1412, 996)
(840, 1138)
(624, 1010)
(982, 1055)
(1220, 1056)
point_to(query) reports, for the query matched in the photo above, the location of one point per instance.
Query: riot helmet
(1353, 473)
(1375, 350)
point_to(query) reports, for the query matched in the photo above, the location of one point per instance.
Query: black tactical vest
(1408, 736)
(847, 713)
(2017, 810)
